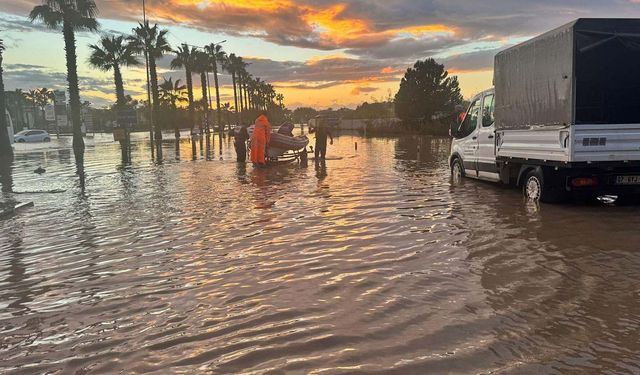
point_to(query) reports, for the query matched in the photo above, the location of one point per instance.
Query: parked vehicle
(31, 135)
(563, 118)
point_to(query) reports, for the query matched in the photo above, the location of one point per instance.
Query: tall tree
(45, 96)
(231, 66)
(202, 66)
(6, 151)
(241, 71)
(425, 89)
(32, 97)
(217, 56)
(112, 53)
(71, 16)
(152, 42)
(246, 78)
(173, 93)
(186, 58)
(39, 98)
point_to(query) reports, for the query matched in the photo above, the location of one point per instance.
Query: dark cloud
(470, 61)
(359, 90)
(407, 49)
(382, 37)
(25, 77)
(333, 69)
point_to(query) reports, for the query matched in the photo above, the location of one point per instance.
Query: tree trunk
(150, 108)
(155, 96)
(117, 77)
(205, 100)
(215, 79)
(6, 151)
(174, 118)
(235, 97)
(240, 93)
(74, 90)
(246, 95)
(190, 95)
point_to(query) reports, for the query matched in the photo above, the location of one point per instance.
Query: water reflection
(6, 175)
(80, 172)
(321, 170)
(371, 262)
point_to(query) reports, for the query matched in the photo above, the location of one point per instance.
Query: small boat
(283, 141)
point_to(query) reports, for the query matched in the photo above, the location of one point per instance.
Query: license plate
(628, 180)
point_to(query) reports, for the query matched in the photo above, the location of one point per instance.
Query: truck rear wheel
(536, 189)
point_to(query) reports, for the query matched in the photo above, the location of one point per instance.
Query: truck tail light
(584, 182)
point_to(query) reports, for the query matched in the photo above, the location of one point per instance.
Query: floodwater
(373, 263)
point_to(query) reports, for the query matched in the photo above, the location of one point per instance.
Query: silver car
(31, 135)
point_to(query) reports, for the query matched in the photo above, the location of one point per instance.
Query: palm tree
(32, 97)
(216, 55)
(241, 74)
(257, 85)
(231, 66)
(202, 66)
(152, 42)
(226, 108)
(6, 151)
(43, 97)
(173, 93)
(240, 70)
(280, 98)
(186, 58)
(247, 80)
(72, 16)
(113, 53)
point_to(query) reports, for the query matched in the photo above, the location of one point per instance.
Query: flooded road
(373, 263)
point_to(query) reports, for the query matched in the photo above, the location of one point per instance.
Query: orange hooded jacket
(260, 139)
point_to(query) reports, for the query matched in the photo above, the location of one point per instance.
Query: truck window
(470, 120)
(487, 110)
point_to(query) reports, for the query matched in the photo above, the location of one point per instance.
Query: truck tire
(536, 189)
(457, 171)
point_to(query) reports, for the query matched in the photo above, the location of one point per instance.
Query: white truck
(563, 118)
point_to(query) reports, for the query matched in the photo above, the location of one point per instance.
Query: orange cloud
(286, 22)
(389, 70)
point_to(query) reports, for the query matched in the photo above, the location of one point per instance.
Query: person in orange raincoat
(260, 139)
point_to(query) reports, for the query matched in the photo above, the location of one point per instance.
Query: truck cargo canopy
(587, 71)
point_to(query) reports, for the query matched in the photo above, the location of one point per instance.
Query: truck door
(469, 138)
(487, 168)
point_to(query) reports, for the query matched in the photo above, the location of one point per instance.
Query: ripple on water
(372, 263)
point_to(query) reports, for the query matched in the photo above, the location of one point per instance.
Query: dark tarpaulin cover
(535, 81)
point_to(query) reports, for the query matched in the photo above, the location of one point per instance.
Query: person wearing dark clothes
(241, 136)
(322, 132)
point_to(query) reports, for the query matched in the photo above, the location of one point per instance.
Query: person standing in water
(260, 139)
(240, 142)
(322, 131)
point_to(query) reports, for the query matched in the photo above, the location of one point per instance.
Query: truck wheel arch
(453, 157)
(524, 171)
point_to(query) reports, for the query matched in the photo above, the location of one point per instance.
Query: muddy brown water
(373, 263)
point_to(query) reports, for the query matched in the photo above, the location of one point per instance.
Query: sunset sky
(322, 53)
